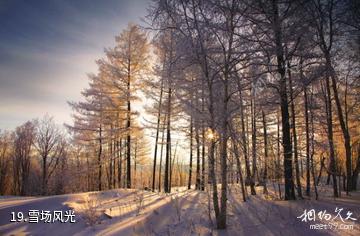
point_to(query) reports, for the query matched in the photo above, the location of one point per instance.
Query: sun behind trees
(244, 65)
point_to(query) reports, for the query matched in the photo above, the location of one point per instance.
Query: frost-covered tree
(130, 58)
(50, 144)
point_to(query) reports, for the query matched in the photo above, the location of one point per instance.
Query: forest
(222, 98)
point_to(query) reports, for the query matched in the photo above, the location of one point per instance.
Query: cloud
(47, 49)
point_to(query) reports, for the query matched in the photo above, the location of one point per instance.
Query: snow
(183, 212)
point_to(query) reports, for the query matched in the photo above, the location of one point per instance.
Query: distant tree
(50, 144)
(23, 145)
(6, 150)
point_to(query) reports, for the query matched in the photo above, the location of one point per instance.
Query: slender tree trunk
(161, 152)
(322, 165)
(191, 153)
(245, 149)
(253, 135)
(266, 156)
(293, 121)
(173, 164)
(278, 155)
(238, 165)
(99, 158)
(113, 141)
(212, 176)
(128, 127)
(110, 163)
(344, 128)
(88, 186)
(157, 136)
(115, 160)
(197, 139)
(203, 160)
(25, 174)
(339, 181)
(168, 146)
(44, 174)
(307, 133)
(135, 162)
(330, 136)
(119, 162)
(313, 149)
(203, 141)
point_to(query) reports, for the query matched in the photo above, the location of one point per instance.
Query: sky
(47, 48)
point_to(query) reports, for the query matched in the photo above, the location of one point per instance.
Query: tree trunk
(238, 165)
(191, 153)
(161, 152)
(172, 164)
(330, 136)
(313, 150)
(114, 162)
(266, 157)
(168, 146)
(245, 149)
(327, 20)
(99, 158)
(278, 154)
(344, 128)
(203, 160)
(212, 177)
(128, 126)
(289, 185)
(44, 174)
(119, 142)
(110, 150)
(197, 139)
(253, 136)
(293, 122)
(203, 141)
(221, 220)
(307, 133)
(157, 137)
(322, 165)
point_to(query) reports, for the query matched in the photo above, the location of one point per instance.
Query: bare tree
(23, 145)
(50, 145)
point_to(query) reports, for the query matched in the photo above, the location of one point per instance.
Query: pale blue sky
(47, 48)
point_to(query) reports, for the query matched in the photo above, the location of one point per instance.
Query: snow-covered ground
(183, 212)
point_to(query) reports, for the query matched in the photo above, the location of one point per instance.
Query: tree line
(270, 89)
(32, 158)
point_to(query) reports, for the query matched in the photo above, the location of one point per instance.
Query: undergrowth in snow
(183, 212)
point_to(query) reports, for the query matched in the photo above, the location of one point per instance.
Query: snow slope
(184, 212)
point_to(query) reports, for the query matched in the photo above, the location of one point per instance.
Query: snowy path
(53, 203)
